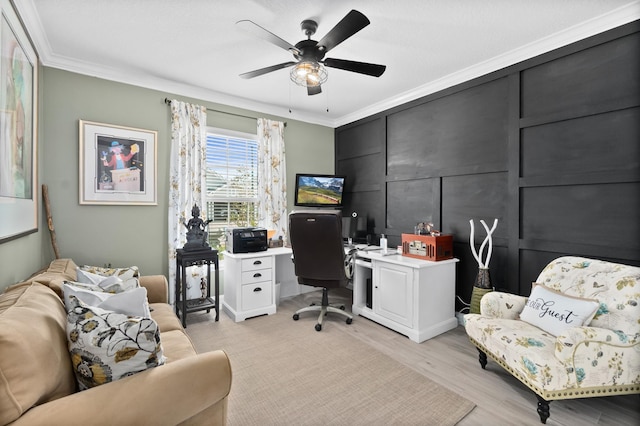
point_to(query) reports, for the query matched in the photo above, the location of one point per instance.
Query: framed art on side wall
(18, 128)
(117, 164)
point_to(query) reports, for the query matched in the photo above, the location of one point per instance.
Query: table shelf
(195, 305)
(184, 306)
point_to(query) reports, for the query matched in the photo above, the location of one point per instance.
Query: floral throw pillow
(555, 312)
(106, 346)
(123, 273)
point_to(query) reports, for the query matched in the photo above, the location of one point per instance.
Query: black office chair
(319, 257)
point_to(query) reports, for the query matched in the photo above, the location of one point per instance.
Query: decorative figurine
(426, 228)
(196, 231)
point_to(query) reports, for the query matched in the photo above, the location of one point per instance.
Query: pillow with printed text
(555, 312)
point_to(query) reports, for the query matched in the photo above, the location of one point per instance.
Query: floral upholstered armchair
(576, 336)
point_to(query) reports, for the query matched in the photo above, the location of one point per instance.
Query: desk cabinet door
(393, 293)
(256, 296)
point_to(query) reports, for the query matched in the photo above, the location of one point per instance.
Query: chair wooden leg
(543, 409)
(482, 357)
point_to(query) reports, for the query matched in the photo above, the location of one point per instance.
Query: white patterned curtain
(187, 184)
(272, 177)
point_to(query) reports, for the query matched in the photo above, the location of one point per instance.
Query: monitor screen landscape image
(314, 190)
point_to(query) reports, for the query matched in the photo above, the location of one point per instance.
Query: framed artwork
(18, 128)
(117, 164)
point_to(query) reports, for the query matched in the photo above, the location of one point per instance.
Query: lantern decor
(483, 279)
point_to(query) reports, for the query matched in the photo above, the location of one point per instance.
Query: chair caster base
(323, 310)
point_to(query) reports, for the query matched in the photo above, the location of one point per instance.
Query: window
(232, 182)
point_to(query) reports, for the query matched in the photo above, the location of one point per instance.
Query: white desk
(411, 296)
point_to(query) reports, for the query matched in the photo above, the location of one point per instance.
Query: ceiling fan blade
(359, 67)
(314, 90)
(266, 70)
(350, 24)
(255, 29)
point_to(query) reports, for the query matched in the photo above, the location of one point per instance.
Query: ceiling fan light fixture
(309, 70)
(309, 74)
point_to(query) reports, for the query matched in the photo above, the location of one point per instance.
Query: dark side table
(185, 259)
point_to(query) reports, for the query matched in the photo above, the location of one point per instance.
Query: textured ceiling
(193, 48)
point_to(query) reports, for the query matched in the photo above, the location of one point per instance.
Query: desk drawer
(256, 276)
(256, 263)
(256, 296)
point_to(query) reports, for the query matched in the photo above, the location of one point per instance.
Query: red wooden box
(427, 247)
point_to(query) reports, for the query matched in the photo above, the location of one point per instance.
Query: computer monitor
(317, 190)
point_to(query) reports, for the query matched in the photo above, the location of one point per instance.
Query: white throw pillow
(108, 283)
(132, 302)
(106, 346)
(555, 312)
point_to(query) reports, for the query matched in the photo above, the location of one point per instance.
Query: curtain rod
(168, 102)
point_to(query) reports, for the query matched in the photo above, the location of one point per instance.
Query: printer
(246, 240)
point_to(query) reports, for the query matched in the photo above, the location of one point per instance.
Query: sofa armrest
(497, 304)
(599, 356)
(157, 288)
(168, 394)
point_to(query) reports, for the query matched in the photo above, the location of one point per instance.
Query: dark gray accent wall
(549, 146)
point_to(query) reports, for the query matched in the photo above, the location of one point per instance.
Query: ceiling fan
(309, 67)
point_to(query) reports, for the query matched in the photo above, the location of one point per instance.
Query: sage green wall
(125, 235)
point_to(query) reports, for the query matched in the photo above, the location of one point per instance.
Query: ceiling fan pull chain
(289, 85)
(326, 98)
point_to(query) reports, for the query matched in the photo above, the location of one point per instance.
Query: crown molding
(250, 107)
(618, 17)
(29, 15)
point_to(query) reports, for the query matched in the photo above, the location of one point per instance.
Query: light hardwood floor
(452, 361)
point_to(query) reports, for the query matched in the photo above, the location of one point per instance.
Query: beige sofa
(38, 386)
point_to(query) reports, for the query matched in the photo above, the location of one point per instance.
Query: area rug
(286, 373)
